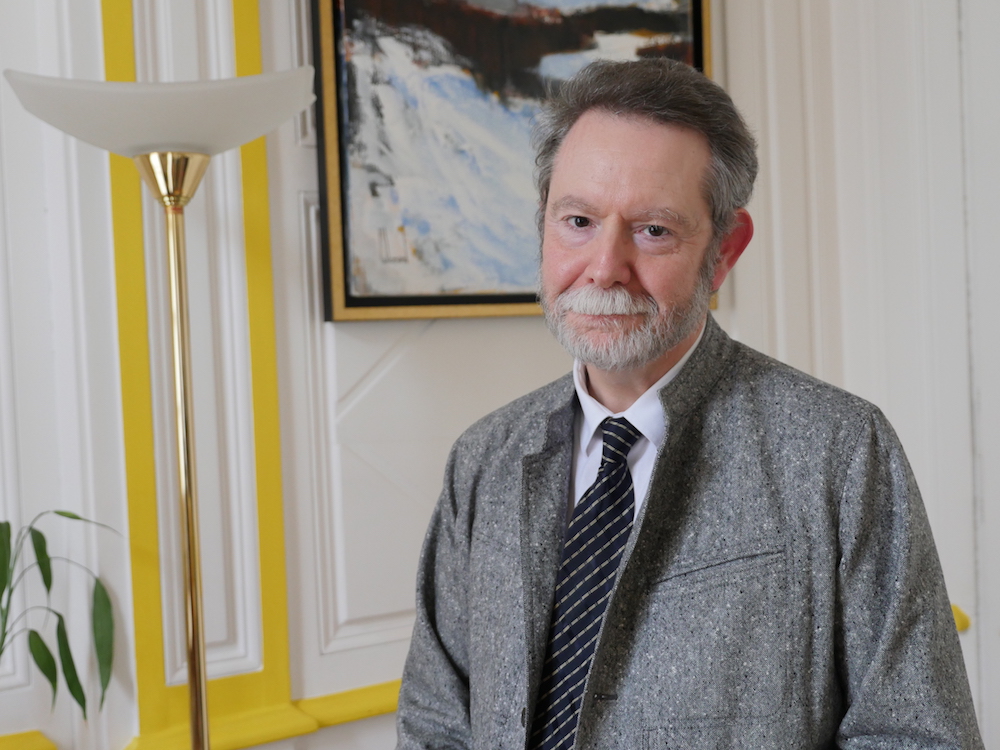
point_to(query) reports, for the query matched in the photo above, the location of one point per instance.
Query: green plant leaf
(71, 515)
(44, 660)
(68, 667)
(104, 635)
(4, 555)
(42, 556)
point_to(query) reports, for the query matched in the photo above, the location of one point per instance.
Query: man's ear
(732, 247)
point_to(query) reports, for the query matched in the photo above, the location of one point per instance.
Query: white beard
(631, 346)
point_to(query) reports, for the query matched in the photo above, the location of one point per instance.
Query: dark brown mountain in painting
(503, 50)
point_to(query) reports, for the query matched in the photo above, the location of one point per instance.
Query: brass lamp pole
(171, 131)
(173, 177)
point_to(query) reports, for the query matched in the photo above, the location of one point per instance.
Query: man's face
(625, 237)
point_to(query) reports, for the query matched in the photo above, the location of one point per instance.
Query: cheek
(559, 268)
(669, 281)
(566, 235)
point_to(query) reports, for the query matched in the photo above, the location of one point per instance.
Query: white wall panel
(782, 296)
(898, 144)
(980, 67)
(59, 372)
(14, 665)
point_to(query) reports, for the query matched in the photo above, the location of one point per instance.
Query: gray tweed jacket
(780, 588)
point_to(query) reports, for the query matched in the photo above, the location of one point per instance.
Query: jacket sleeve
(433, 707)
(901, 663)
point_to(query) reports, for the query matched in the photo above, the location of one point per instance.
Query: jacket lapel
(678, 398)
(544, 501)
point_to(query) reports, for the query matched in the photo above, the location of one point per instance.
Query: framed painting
(424, 117)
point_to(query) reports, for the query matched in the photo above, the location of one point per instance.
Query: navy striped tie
(595, 540)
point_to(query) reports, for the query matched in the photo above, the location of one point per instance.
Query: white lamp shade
(205, 117)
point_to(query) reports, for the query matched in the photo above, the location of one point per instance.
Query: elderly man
(684, 544)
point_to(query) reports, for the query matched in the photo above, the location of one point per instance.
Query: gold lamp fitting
(172, 175)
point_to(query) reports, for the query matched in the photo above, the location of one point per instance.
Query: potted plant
(13, 572)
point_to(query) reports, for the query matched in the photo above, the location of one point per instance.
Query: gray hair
(664, 91)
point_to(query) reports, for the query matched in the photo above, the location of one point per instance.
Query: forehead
(628, 156)
(601, 128)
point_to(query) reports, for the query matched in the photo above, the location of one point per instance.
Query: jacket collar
(699, 375)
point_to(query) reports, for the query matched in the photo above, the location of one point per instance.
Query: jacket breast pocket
(710, 645)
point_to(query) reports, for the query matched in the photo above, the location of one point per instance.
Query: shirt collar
(646, 414)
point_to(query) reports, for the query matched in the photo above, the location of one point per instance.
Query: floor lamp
(171, 131)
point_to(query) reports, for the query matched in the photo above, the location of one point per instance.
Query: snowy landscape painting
(435, 102)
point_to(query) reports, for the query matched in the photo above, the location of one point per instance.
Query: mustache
(617, 300)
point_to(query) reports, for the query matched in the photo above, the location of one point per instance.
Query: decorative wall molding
(980, 63)
(14, 665)
(783, 294)
(302, 49)
(338, 630)
(221, 364)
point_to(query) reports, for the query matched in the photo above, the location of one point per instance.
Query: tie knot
(619, 437)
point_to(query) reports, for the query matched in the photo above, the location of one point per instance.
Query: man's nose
(611, 257)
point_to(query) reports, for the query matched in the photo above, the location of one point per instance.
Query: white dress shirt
(646, 415)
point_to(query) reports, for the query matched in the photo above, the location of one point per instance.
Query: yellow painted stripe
(137, 412)
(267, 427)
(246, 32)
(353, 704)
(264, 372)
(137, 409)
(27, 741)
(235, 731)
(246, 729)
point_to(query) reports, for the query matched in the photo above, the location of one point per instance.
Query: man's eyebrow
(666, 216)
(571, 203)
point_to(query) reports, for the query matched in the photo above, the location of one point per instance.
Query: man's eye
(580, 222)
(656, 231)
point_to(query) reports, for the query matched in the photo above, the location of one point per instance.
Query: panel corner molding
(352, 705)
(27, 741)
(234, 731)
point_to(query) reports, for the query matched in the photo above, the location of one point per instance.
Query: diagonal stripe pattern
(595, 540)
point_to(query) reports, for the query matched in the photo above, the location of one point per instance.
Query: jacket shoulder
(792, 392)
